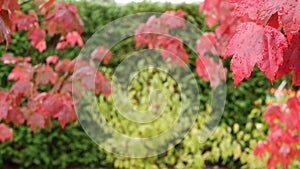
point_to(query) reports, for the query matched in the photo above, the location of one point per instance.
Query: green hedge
(71, 147)
(48, 148)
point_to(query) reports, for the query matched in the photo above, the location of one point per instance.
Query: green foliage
(188, 154)
(234, 145)
(229, 145)
(51, 148)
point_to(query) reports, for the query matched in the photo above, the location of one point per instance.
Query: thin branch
(25, 2)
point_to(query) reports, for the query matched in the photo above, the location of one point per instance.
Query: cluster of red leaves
(62, 19)
(263, 33)
(284, 137)
(206, 67)
(251, 32)
(27, 101)
(155, 34)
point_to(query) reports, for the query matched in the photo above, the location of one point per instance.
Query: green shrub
(233, 145)
(47, 148)
(188, 154)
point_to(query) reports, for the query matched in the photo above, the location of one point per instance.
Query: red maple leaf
(206, 44)
(173, 48)
(209, 70)
(59, 106)
(74, 87)
(7, 11)
(51, 106)
(154, 33)
(45, 74)
(16, 116)
(293, 118)
(289, 16)
(3, 104)
(71, 38)
(255, 44)
(65, 65)
(22, 71)
(22, 88)
(260, 149)
(10, 5)
(63, 18)
(101, 54)
(52, 59)
(102, 84)
(217, 11)
(173, 19)
(291, 60)
(37, 37)
(202, 69)
(65, 115)
(247, 8)
(5, 27)
(268, 8)
(272, 113)
(35, 120)
(210, 8)
(288, 12)
(26, 21)
(5, 133)
(224, 34)
(61, 45)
